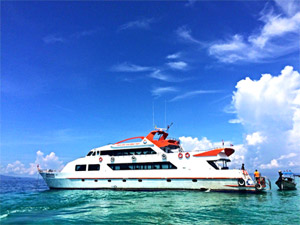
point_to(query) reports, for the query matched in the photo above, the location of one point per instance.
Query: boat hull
(286, 185)
(171, 183)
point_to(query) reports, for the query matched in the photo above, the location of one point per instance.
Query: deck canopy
(162, 140)
(215, 152)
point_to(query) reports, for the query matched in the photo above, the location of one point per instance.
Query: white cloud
(186, 34)
(278, 36)
(180, 65)
(137, 24)
(234, 121)
(275, 26)
(290, 7)
(192, 94)
(162, 90)
(255, 138)
(50, 161)
(84, 33)
(269, 110)
(50, 39)
(128, 67)
(191, 144)
(291, 155)
(54, 38)
(174, 56)
(273, 164)
(157, 74)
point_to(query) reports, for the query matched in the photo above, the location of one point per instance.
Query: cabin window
(222, 163)
(165, 166)
(124, 180)
(140, 180)
(98, 152)
(109, 180)
(80, 168)
(96, 180)
(194, 180)
(168, 180)
(156, 166)
(82, 180)
(142, 166)
(122, 152)
(94, 167)
(91, 152)
(94, 153)
(212, 163)
(168, 149)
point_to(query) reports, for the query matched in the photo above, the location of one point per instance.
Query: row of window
(91, 167)
(93, 153)
(139, 180)
(136, 151)
(142, 166)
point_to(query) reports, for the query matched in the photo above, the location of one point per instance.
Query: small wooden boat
(286, 181)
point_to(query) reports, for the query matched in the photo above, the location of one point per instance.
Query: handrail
(141, 137)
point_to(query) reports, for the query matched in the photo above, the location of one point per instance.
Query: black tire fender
(241, 182)
(258, 186)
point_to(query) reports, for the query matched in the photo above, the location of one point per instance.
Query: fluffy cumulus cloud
(255, 138)
(278, 36)
(50, 161)
(192, 144)
(269, 110)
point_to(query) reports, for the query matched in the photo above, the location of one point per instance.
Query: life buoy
(100, 159)
(258, 186)
(241, 182)
(180, 155)
(187, 155)
(112, 159)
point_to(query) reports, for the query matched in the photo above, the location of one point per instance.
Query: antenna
(153, 113)
(169, 126)
(165, 113)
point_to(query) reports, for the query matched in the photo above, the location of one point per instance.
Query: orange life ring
(180, 155)
(100, 159)
(187, 155)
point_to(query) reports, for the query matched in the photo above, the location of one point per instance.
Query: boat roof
(162, 141)
(287, 173)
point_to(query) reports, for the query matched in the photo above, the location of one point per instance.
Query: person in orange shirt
(257, 175)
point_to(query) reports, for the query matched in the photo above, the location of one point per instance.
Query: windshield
(222, 163)
(91, 152)
(219, 164)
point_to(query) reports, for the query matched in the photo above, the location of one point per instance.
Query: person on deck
(243, 167)
(257, 175)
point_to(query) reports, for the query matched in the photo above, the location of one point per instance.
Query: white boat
(153, 163)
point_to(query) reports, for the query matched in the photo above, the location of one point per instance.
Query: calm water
(30, 202)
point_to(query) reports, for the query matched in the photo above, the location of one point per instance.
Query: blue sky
(78, 75)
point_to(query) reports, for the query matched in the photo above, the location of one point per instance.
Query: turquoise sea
(28, 201)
